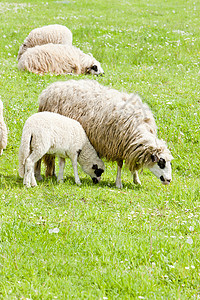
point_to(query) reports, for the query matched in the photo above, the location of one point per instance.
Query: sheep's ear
(154, 158)
(95, 167)
(95, 68)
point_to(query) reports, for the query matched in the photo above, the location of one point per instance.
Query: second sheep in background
(55, 34)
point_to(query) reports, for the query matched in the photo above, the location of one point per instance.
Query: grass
(61, 241)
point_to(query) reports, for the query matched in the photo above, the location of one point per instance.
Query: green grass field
(62, 241)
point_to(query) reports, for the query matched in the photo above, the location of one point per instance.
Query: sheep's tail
(24, 149)
(22, 49)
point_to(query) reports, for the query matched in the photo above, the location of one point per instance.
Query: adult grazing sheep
(55, 34)
(119, 126)
(59, 59)
(3, 130)
(48, 132)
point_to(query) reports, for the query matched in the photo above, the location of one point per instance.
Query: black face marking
(162, 178)
(94, 180)
(95, 167)
(98, 172)
(79, 152)
(94, 68)
(162, 163)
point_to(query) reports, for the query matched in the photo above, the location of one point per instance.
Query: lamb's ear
(94, 67)
(154, 158)
(99, 172)
(95, 167)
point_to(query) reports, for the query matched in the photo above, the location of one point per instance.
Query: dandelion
(187, 268)
(193, 267)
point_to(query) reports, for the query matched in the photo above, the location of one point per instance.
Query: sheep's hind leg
(37, 170)
(49, 161)
(136, 178)
(118, 181)
(61, 169)
(75, 168)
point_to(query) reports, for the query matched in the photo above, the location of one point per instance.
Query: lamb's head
(91, 164)
(94, 171)
(160, 166)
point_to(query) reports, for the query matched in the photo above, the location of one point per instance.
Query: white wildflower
(189, 241)
(191, 228)
(54, 230)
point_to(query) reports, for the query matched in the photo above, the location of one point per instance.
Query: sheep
(3, 130)
(48, 132)
(55, 34)
(119, 126)
(59, 59)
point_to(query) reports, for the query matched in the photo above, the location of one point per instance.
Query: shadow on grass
(13, 181)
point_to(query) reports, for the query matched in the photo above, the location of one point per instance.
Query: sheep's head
(95, 69)
(161, 168)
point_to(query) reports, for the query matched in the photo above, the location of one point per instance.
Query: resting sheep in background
(52, 133)
(55, 34)
(3, 130)
(119, 126)
(59, 59)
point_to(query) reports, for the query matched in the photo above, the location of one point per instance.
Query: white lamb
(55, 34)
(59, 59)
(3, 130)
(52, 133)
(119, 125)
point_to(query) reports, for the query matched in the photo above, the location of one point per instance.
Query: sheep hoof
(119, 185)
(136, 178)
(138, 182)
(38, 177)
(60, 180)
(78, 182)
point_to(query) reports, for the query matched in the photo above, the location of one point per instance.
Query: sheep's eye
(161, 163)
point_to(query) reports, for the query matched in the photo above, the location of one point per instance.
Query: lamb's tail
(24, 149)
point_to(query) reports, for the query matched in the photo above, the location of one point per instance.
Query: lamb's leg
(61, 168)
(29, 179)
(75, 168)
(118, 178)
(37, 170)
(49, 161)
(136, 178)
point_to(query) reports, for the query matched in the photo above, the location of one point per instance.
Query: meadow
(62, 241)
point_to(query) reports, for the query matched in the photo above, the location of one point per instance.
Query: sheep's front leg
(61, 168)
(118, 181)
(136, 178)
(75, 168)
